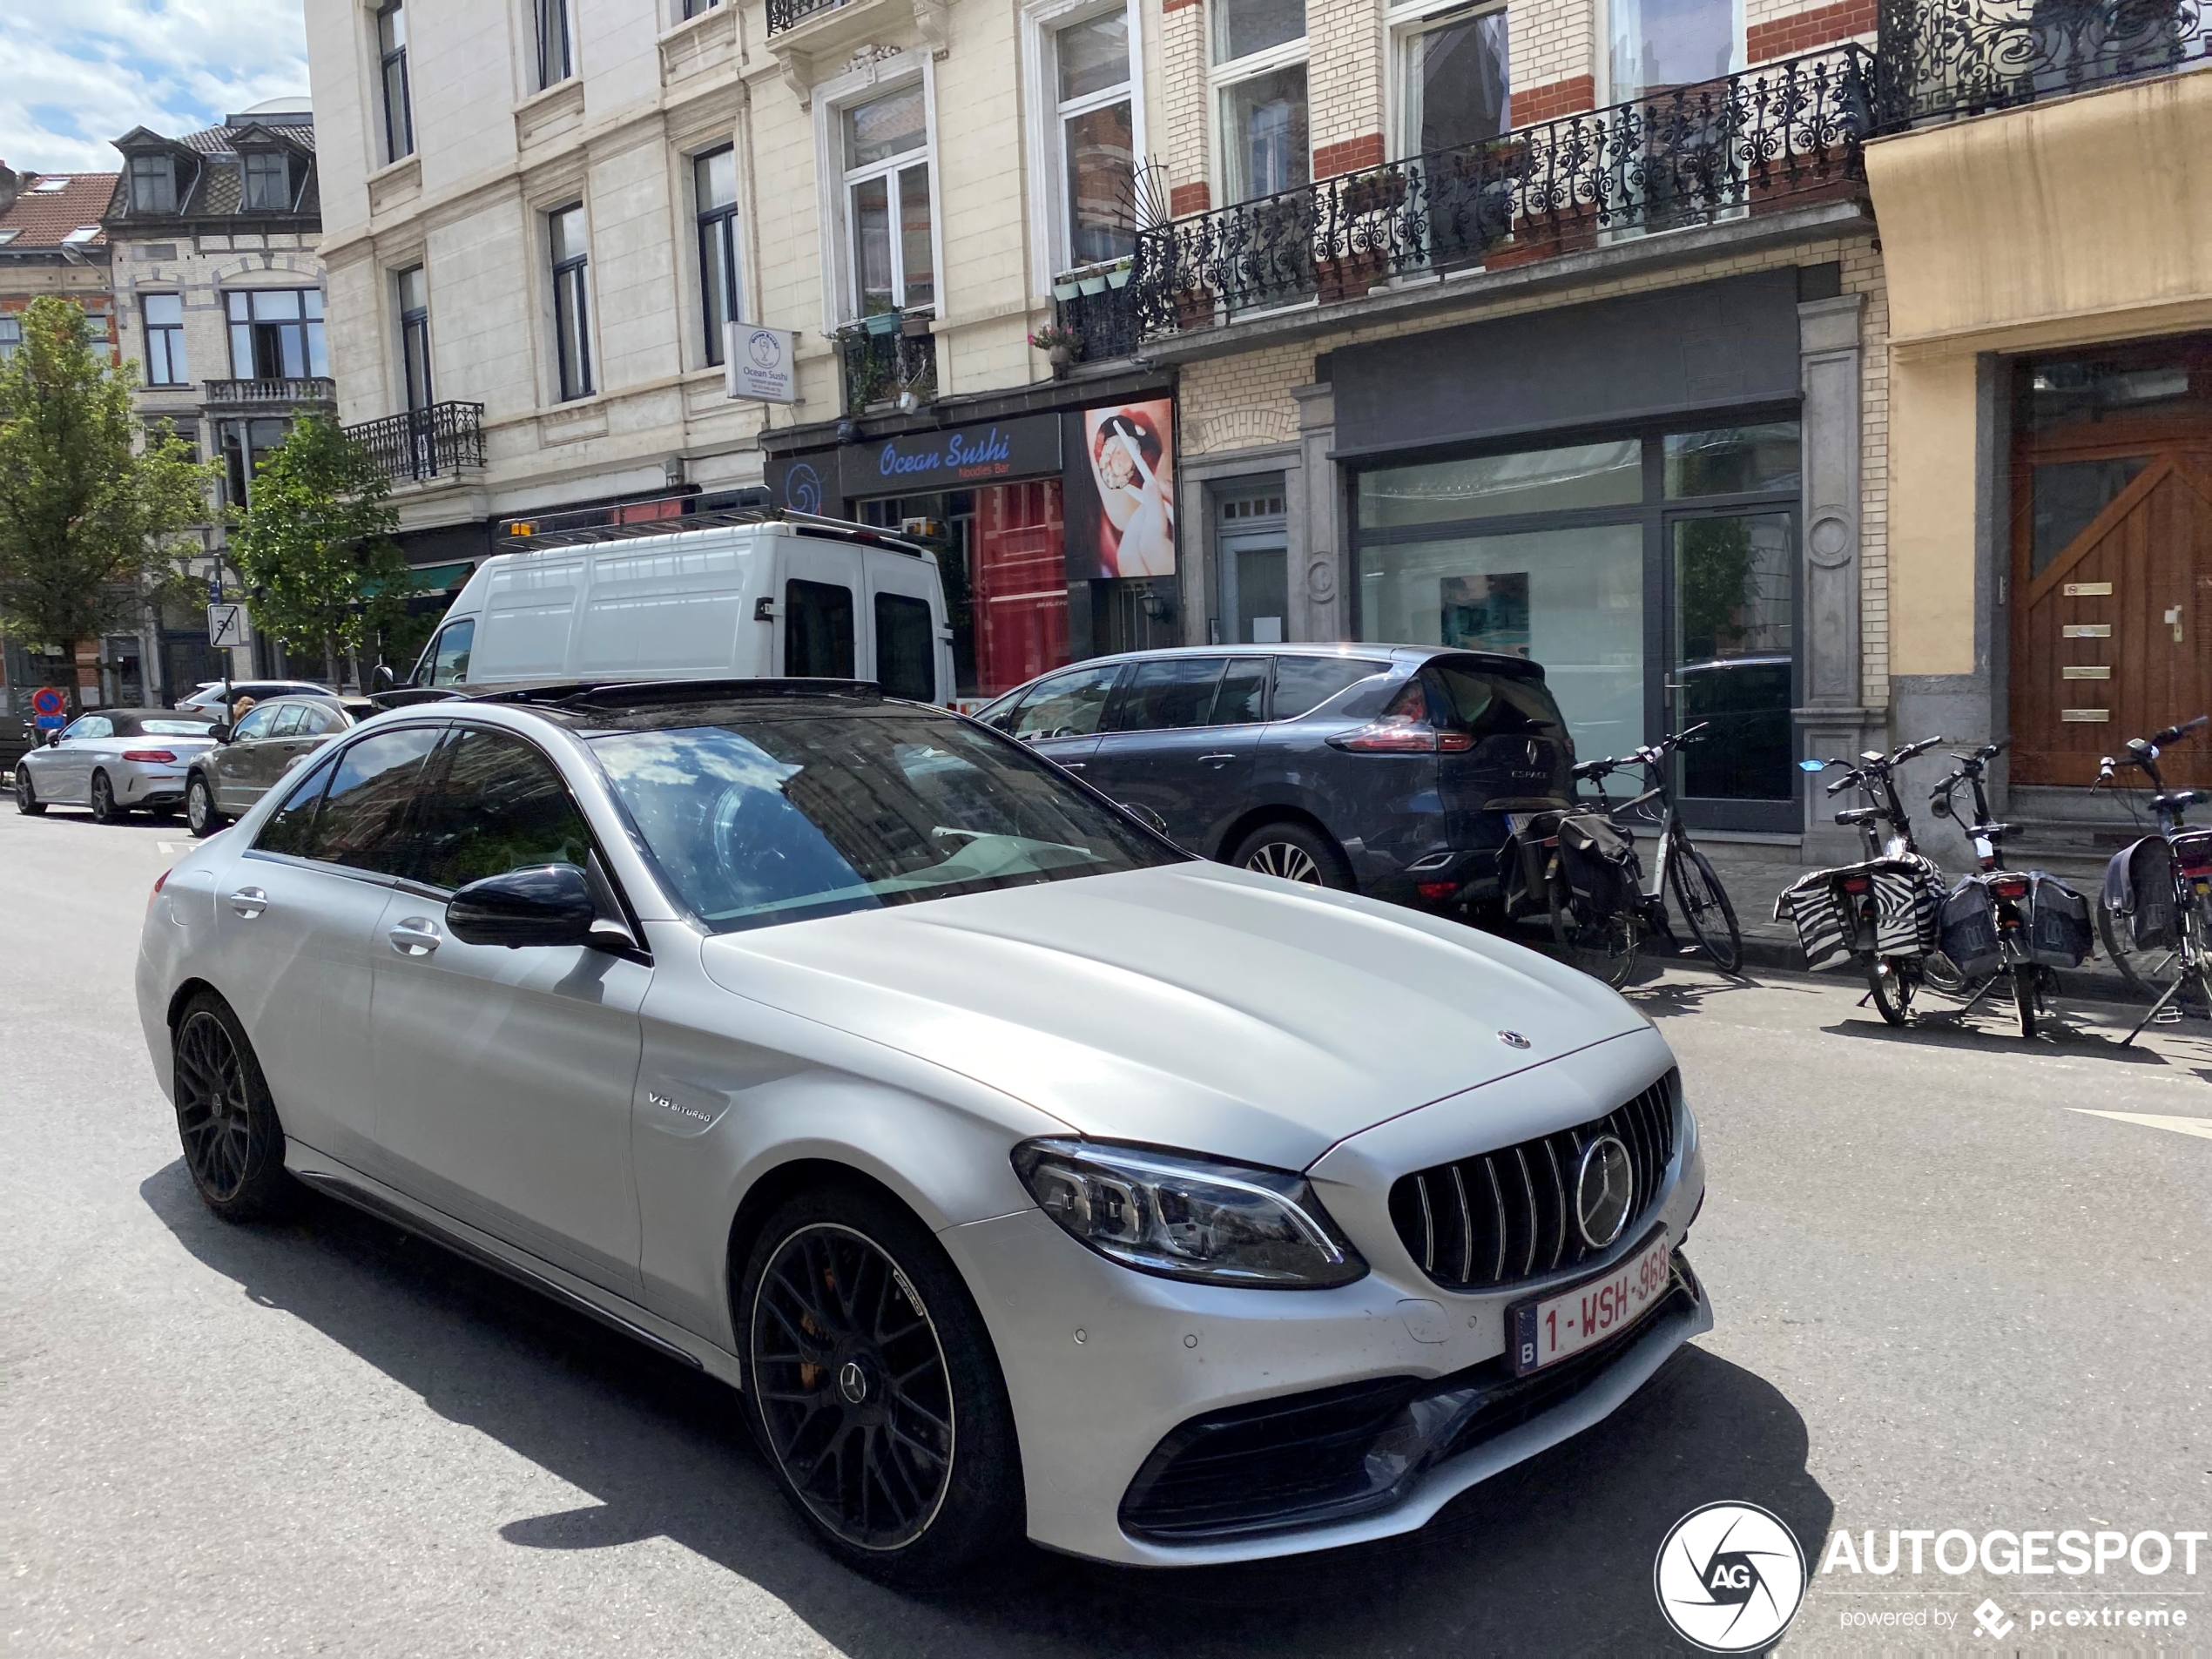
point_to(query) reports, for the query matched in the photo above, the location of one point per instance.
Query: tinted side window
(817, 630)
(319, 721)
(1170, 693)
(1304, 684)
(495, 805)
(290, 721)
(1067, 706)
(255, 723)
(1242, 698)
(363, 821)
(291, 828)
(449, 660)
(906, 655)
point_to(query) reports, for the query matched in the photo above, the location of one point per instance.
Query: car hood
(1193, 1005)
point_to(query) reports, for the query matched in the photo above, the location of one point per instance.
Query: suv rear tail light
(1404, 729)
(151, 756)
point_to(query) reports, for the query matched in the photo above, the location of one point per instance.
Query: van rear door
(906, 625)
(819, 611)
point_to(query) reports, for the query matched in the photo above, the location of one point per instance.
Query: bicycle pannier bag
(1813, 907)
(2058, 922)
(2139, 885)
(1970, 930)
(1597, 858)
(1907, 894)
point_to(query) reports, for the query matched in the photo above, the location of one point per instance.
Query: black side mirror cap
(381, 678)
(53, 739)
(220, 731)
(547, 905)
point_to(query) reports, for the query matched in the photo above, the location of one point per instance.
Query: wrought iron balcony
(1102, 315)
(422, 444)
(890, 358)
(1943, 59)
(1753, 142)
(273, 392)
(789, 14)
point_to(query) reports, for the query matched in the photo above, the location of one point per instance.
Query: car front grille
(1496, 1218)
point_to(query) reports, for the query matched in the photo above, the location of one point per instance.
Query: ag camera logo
(1730, 1577)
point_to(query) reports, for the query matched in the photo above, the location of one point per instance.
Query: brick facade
(1788, 33)
(1349, 156)
(1554, 99)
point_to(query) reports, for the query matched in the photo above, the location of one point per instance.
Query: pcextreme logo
(1730, 1577)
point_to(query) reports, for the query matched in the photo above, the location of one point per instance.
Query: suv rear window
(1490, 703)
(1304, 684)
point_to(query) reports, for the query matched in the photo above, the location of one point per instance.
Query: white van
(789, 596)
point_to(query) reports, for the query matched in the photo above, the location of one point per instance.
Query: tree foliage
(322, 573)
(90, 530)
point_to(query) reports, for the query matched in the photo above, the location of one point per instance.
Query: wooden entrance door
(2112, 638)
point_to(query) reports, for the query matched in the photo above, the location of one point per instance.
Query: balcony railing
(1942, 60)
(271, 392)
(1767, 137)
(789, 14)
(890, 359)
(421, 444)
(1101, 312)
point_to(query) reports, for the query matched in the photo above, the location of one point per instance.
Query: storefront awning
(434, 578)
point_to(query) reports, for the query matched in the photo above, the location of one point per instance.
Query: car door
(295, 923)
(291, 739)
(504, 1077)
(1181, 739)
(234, 764)
(1060, 717)
(64, 772)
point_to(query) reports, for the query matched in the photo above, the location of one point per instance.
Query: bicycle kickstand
(2172, 991)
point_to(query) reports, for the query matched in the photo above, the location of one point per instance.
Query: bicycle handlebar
(1649, 755)
(2175, 733)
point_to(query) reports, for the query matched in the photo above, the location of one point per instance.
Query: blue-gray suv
(1383, 769)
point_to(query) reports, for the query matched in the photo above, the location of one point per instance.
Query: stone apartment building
(218, 294)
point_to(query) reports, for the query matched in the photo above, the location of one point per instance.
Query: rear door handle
(249, 903)
(1074, 766)
(1216, 760)
(415, 936)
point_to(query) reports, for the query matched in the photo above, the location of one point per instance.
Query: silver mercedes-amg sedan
(1024, 1173)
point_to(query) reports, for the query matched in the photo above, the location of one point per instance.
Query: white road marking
(2152, 1120)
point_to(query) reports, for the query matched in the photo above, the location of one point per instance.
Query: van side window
(449, 655)
(905, 654)
(817, 630)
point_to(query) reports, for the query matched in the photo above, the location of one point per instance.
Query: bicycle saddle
(1990, 832)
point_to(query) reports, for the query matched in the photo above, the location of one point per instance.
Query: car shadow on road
(1554, 1556)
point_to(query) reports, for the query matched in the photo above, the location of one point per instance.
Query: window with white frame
(714, 201)
(1258, 77)
(1095, 129)
(165, 314)
(555, 55)
(399, 108)
(268, 182)
(887, 202)
(153, 184)
(1453, 87)
(10, 337)
(570, 247)
(411, 288)
(1658, 46)
(276, 333)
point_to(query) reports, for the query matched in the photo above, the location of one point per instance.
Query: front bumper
(1109, 1371)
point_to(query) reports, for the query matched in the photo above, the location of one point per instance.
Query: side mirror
(54, 738)
(548, 904)
(381, 678)
(220, 731)
(1145, 816)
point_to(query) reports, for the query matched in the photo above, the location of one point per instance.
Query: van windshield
(787, 814)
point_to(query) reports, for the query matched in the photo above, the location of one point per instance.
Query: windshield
(780, 815)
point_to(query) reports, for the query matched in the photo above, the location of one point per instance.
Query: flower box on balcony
(1351, 276)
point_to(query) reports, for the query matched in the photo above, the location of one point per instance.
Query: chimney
(11, 184)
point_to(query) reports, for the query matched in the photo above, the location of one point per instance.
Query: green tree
(322, 573)
(89, 531)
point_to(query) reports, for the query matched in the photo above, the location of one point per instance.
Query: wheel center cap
(853, 1382)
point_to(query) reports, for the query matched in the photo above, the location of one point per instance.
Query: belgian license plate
(1518, 823)
(1560, 1326)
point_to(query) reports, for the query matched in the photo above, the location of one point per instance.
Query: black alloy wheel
(872, 1386)
(1704, 905)
(1294, 852)
(233, 1144)
(104, 810)
(199, 807)
(27, 801)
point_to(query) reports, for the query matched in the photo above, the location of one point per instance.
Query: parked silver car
(114, 761)
(251, 757)
(1025, 1173)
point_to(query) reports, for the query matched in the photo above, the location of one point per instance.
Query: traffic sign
(226, 625)
(48, 708)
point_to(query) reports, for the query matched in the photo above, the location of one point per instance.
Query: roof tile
(44, 218)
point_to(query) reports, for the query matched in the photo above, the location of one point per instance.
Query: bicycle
(2167, 902)
(1699, 894)
(1596, 931)
(1854, 891)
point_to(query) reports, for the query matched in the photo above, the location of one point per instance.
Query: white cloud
(82, 72)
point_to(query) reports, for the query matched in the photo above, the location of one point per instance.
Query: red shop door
(1020, 595)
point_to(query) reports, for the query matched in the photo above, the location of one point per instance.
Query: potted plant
(1119, 274)
(1060, 346)
(1091, 281)
(915, 324)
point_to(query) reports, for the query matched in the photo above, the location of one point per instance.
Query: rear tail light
(1404, 729)
(2015, 887)
(151, 756)
(1856, 883)
(160, 882)
(1436, 892)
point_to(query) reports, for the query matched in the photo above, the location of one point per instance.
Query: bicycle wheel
(1602, 947)
(1704, 906)
(1893, 980)
(2025, 976)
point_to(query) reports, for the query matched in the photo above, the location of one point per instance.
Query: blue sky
(81, 72)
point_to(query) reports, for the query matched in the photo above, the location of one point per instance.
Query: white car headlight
(1189, 1217)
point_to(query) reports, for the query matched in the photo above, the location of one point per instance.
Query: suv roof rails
(675, 514)
(633, 693)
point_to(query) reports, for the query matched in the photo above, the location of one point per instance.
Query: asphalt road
(1947, 1296)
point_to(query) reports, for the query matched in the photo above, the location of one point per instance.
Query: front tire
(1296, 853)
(104, 809)
(199, 808)
(27, 801)
(873, 1387)
(233, 1144)
(1705, 906)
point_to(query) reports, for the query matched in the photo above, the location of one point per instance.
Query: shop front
(1623, 496)
(1054, 528)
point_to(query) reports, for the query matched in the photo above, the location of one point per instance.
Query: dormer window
(153, 185)
(268, 182)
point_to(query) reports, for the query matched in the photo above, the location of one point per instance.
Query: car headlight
(1189, 1217)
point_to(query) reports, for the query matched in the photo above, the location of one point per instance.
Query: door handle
(415, 936)
(1073, 766)
(249, 903)
(1216, 760)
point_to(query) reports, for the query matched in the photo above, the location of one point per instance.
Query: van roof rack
(601, 694)
(675, 514)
